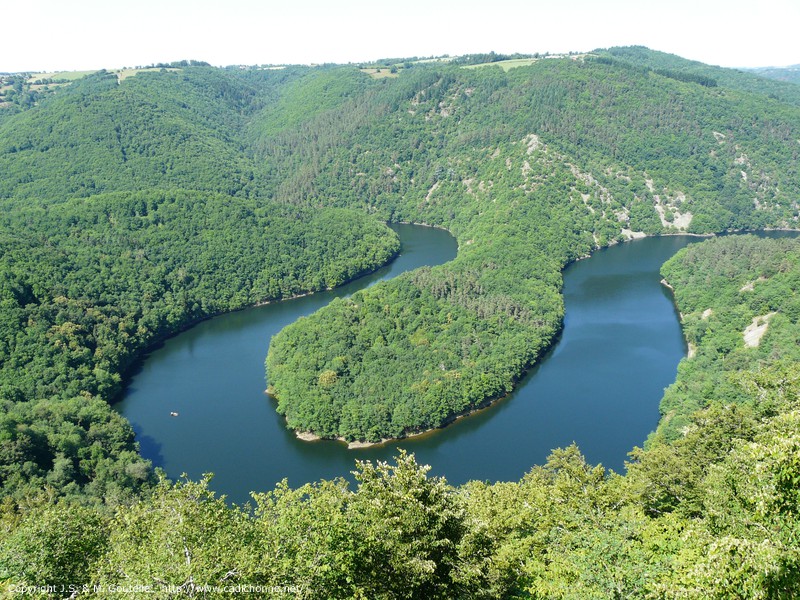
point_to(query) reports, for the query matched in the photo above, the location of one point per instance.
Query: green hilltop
(135, 206)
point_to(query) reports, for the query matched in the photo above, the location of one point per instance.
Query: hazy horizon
(356, 62)
(51, 35)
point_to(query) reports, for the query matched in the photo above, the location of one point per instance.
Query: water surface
(212, 375)
(600, 385)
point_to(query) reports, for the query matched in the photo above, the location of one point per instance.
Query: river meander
(599, 386)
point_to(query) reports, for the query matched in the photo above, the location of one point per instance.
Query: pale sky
(52, 35)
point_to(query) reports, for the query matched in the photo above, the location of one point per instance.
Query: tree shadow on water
(149, 447)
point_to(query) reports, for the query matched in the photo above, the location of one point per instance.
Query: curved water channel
(599, 386)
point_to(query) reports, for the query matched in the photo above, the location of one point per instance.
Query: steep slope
(740, 301)
(175, 129)
(529, 169)
(743, 80)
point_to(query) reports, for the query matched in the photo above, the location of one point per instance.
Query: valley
(137, 207)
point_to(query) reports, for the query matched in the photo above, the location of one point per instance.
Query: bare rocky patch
(755, 331)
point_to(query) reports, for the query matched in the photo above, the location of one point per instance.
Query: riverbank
(128, 370)
(489, 402)
(308, 436)
(215, 378)
(691, 349)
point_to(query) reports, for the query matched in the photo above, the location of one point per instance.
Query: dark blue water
(600, 386)
(212, 375)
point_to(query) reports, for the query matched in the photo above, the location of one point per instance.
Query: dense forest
(134, 207)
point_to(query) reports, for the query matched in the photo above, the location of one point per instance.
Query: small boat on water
(173, 414)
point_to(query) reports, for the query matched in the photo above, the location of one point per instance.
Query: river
(599, 386)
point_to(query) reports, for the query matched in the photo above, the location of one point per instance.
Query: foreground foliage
(566, 530)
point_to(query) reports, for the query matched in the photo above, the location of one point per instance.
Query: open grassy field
(506, 64)
(60, 75)
(380, 73)
(524, 62)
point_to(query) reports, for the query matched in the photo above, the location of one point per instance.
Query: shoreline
(420, 224)
(127, 372)
(646, 235)
(691, 350)
(487, 403)
(308, 436)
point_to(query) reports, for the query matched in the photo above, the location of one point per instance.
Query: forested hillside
(90, 281)
(740, 303)
(132, 208)
(673, 66)
(530, 169)
(152, 130)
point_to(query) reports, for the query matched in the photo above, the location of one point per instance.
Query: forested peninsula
(634, 151)
(135, 206)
